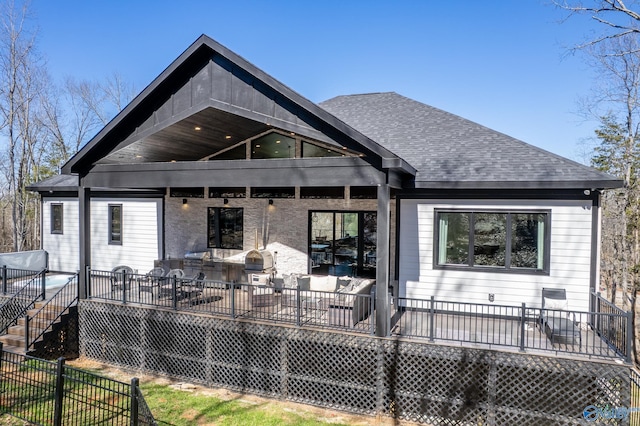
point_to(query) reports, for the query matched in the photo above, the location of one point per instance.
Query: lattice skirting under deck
(422, 382)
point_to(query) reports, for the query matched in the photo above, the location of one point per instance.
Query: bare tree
(19, 99)
(613, 16)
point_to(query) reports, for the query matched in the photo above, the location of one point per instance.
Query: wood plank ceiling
(183, 141)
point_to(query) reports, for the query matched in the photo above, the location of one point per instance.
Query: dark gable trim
(177, 74)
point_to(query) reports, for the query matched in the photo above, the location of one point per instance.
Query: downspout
(596, 225)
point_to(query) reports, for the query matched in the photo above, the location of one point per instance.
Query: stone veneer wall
(282, 227)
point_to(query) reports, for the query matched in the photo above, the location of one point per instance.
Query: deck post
(522, 324)
(382, 314)
(4, 279)
(84, 204)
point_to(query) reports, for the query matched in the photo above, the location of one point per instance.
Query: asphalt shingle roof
(452, 152)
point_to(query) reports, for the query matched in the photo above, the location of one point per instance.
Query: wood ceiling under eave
(182, 142)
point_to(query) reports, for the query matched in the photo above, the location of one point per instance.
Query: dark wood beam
(277, 172)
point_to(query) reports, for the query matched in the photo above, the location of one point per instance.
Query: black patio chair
(192, 288)
(121, 277)
(150, 281)
(559, 325)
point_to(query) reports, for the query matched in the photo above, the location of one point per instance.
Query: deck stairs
(14, 339)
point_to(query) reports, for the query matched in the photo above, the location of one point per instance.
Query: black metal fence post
(134, 401)
(87, 282)
(43, 283)
(4, 279)
(298, 307)
(26, 333)
(174, 292)
(522, 326)
(630, 334)
(432, 319)
(232, 289)
(372, 306)
(124, 286)
(59, 395)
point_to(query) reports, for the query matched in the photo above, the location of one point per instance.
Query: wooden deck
(447, 328)
(497, 333)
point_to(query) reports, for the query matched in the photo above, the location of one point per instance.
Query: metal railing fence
(43, 319)
(13, 280)
(51, 393)
(22, 300)
(239, 301)
(613, 324)
(605, 334)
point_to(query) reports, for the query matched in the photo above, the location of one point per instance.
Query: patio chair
(150, 281)
(192, 288)
(558, 323)
(121, 277)
(166, 290)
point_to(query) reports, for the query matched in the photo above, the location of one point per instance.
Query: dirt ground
(320, 414)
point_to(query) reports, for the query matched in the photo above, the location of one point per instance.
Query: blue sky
(503, 63)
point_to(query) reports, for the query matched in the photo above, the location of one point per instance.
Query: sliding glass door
(342, 243)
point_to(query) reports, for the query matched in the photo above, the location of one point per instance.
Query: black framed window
(228, 192)
(273, 192)
(195, 192)
(225, 227)
(325, 192)
(115, 224)
(516, 241)
(57, 218)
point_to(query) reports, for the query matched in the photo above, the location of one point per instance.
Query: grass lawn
(183, 404)
(171, 406)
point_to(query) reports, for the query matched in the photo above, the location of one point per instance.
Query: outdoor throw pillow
(555, 303)
(304, 283)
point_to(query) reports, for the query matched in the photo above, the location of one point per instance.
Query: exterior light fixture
(270, 202)
(226, 201)
(184, 201)
(587, 192)
(197, 128)
(228, 137)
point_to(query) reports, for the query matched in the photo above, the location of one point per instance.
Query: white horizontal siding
(570, 254)
(63, 248)
(140, 235)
